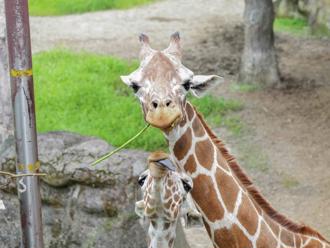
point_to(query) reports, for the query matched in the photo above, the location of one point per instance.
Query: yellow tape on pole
(21, 73)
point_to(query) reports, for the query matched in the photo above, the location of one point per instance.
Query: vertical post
(20, 66)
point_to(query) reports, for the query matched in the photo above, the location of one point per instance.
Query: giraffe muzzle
(164, 117)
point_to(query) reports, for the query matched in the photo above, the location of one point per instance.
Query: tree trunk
(319, 16)
(259, 62)
(6, 122)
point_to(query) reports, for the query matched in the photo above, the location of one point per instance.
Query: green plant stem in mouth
(120, 147)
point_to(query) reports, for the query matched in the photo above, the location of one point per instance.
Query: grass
(82, 93)
(296, 26)
(64, 7)
(299, 27)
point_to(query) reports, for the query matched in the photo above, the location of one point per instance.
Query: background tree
(259, 62)
(288, 8)
(6, 124)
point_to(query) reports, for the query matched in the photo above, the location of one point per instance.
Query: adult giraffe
(235, 214)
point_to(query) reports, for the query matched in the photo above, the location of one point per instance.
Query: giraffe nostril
(155, 104)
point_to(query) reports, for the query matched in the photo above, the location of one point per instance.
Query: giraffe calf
(164, 199)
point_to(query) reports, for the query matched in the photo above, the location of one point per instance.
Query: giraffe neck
(161, 233)
(162, 227)
(231, 216)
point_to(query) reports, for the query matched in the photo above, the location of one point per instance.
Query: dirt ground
(285, 142)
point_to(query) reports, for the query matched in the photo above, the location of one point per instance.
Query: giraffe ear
(200, 84)
(126, 80)
(167, 163)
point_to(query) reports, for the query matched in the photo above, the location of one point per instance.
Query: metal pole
(20, 66)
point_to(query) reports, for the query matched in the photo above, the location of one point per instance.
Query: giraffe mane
(254, 192)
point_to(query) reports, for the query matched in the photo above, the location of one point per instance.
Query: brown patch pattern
(204, 152)
(287, 237)
(240, 239)
(228, 189)
(190, 111)
(183, 145)
(190, 166)
(198, 128)
(206, 198)
(266, 239)
(247, 215)
(224, 238)
(254, 192)
(272, 224)
(314, 244)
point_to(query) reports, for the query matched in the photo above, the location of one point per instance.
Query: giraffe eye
(135, 87)
(187, 187)
(186, 85)
(141, 180)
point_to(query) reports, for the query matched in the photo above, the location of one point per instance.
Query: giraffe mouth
(164, 118)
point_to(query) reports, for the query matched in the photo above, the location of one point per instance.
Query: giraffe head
(162, 82)
(164, 199)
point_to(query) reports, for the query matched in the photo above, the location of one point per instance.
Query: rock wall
(6, 130)
(82, 206)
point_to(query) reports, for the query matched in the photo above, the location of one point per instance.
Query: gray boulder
(83, 206)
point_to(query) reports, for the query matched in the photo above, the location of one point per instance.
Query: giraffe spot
(167, 205)
(169, 181)
(190, 165)
(266, 239)
(176, 211)
(176, 197)
(272, 224)
(204, 153)
(298, 240)
(190, 111)
(247, 215)
(228, 189)
(183, 145)
(287, 237)
(154, 223)
(206, 197)
(233, 237)
(222, 162)
(167, 193)
(313, 243)
(224, 238)
(166, 225)
(198, 128)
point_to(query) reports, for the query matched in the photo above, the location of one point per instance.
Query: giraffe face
(164, 190)
(164, 197)
(162, 82)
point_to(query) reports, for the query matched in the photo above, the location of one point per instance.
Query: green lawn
(299, 27)
(65, 7)
(296, 26)
(83, 93)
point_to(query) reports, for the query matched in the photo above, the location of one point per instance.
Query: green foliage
(234, 124)
(299, 27)
(296, 26)
(64, 7)
(82, 93)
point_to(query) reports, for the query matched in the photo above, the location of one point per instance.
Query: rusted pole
(20, 66)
